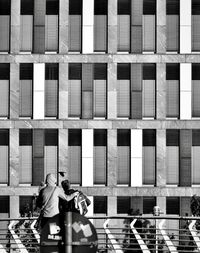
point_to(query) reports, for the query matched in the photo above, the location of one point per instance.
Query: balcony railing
(148, 234)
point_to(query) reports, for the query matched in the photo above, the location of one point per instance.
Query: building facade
(106, 91)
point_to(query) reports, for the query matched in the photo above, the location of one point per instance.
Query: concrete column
(63, 153)
(88, 26)
(14, 207)
(161, 157)
(112, 91)
(112, 157)
(38, 90)
(136, 157)
(63, 26)
(161, 91)
(161, 202)
(63, 90)
(14, 157)
(185, 90)
(87, 157)
(161, 26)
(185, 26)
(112, 205)
(112, 26)
(15, 27)
(14, 90)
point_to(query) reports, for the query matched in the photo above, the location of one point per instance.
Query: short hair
(65, 185)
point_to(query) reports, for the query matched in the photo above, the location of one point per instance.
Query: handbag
(39, 219)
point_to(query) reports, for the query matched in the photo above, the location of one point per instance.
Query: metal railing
(148, 234)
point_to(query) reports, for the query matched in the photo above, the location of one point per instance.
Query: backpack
(81, 203)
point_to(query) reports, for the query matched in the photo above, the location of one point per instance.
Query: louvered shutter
(148, 98)
(4, 97)
(74, 98)
(26, 33)
(51, 33)
(123, 32)
(4, 142)
(172, 33)
(173, 98)
(149, 33)
(195, 32)
(39, 26)
(75, 33)
(99, 98)
(5, 33)
(26, 90)
(123, 98)
(195, 98)
(136, 26)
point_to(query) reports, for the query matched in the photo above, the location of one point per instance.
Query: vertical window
(74, 155)
(75, 72)
(4, 89)
(26, 25)
(172, 25)
(25, 150)
(149, 154)
(100, 205)
(172, 141)
(26, 90)
(172, 208)
(100, 25)
(51, 90)
(123, 156)
(149, 90)
(4, 214)
(45, 157)
(25, 205)
(100, 89)
(75, 23)
(149, 22)
(123, 90)
(4, 156)
(195, 156)
(195, 90)
(123, 205)
(195, 25)
(100, 158)
(148, 204)
(173, 90)
(123, 26)
(4, 25)
(51, 25)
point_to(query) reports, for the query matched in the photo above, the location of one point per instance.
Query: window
(5, 25)
(173, 90)
(100, 25)
(123, 90)
(172, 156)
(25, 205)
(25, 151)
(74, 155)
(26, 90)
(4, 155)
(148, 204)
(75, 23)
(26, 25)
(195, 25)
(123, 156)
(100, 205)
(172, 25)
(51, 25)
(195, 156)
(123, 205)
(149, 155)
(4, 89)
(136, 25)
(195, 90)
(100, 156)
(149, 90)
(45, 154)
(173, 205)
(51, 90)
(4, 214)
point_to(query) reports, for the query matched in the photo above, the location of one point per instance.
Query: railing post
(68, 232)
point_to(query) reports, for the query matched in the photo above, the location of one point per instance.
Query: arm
(62, 195)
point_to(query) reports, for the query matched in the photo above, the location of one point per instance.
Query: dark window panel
(51, 137)
(26, 204)
(51, 71)
(4, 204)
(123, 204)
(195, 7)
(123, 71)
(4, 137)
(172, 71)
(75, 7)
(196, 137)
(123, 137)
(75, 71)
(149, 71)
(100, 137)
(4, 71)
(25, 137)
(26, 71)
(124, 7)
(149, 7)
(172, 137)
(148, 204)
(149, 137)
(4, 7)
(27, 7)
(173, 7)
(173, 205)
(100, 204)
(75, 137)
(100, 7)
(100, 71)
(195, 71)
(52, 7)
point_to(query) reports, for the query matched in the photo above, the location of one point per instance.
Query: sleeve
(39, 200)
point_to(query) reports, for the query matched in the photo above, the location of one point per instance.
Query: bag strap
(43, 207)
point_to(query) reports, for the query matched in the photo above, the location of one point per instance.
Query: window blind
(172, 33)
(4, 153)
(136, 26)
(195, 156)
(4, 89)
(149, 33)
(51, 33)
(26, 32)
(5, 32)
(123, 32)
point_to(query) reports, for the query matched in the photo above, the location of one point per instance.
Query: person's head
(65, 185)
(50, 179)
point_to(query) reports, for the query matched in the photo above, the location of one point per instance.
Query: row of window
(39, 25)
(174, 205)
(38, 156)
(87, 90)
